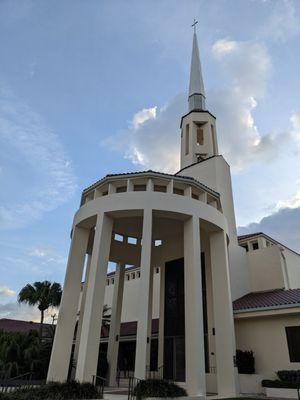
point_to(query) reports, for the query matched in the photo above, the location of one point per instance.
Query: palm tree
(41, 294)
(106, 316)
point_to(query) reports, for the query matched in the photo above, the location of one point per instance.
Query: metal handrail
(132, 388)
(29, 374)
(155, 374)
(16, 382)
(102, 384)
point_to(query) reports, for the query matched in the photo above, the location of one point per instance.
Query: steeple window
(187, 139)
(200, 136)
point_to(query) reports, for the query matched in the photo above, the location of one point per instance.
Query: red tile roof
(14, 325)
(130, 328)
(278, 298)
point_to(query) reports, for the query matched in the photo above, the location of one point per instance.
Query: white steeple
(196, 90)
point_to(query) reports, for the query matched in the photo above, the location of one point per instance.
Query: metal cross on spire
(194, 25)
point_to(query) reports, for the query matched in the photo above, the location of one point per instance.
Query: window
(107, 282)
(254, 245)
(105, 193)
(187, 139)
(160, 188)
(133, 275)
(121, 189)
(157, 242)
(195, 196)
(293, 341)
(157, 270)
(200, 137)
(138, 274)
(245, 247)
(178, 191)
(131, 240)
(112, 281)
(139, 188)
(118, 238)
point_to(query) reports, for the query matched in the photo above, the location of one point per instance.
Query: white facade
(150, 220)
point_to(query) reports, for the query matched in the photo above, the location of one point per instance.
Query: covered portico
(171, 218)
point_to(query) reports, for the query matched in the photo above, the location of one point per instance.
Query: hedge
(55, 391)
(158, 388)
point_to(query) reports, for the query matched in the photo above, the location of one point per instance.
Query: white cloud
(152, 139)
(38, 174)
(142, 116)
(293, 202)
(295, 121)
(47, 255)
(6, 292)
(223, 46)
(283, 23)
(283, 225)
(14, 310)
(246, 67)
(38, 252)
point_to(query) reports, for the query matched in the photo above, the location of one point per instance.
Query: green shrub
(289, 375)
(288, 379)
(56, 391)
(158, 388)
(279, 384)
(245, 362)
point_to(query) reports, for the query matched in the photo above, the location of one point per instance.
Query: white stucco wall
(130, 298)
(265, 269)
(293, 268)
(266, 337)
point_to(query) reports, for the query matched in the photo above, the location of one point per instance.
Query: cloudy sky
(95, 87)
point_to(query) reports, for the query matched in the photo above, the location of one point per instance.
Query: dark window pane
(293, 340)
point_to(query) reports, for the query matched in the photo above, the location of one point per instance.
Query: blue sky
(85, 86)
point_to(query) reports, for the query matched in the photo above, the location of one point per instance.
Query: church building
(187, 291)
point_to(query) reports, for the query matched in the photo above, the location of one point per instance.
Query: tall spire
(196, 89)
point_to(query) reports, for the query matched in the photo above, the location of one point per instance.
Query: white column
(144, 309)
(161, 316)
(115, 322)
(223, 316)
(194, 343)
(92, 316)
(82, 304)
(62, 345)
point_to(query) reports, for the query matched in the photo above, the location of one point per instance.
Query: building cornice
(196, 111)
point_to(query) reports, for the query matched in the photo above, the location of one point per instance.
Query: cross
(194, 25)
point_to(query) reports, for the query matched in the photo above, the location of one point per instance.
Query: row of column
(89, 327)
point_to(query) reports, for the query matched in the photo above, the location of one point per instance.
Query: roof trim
(189, 179)
(268, 308)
